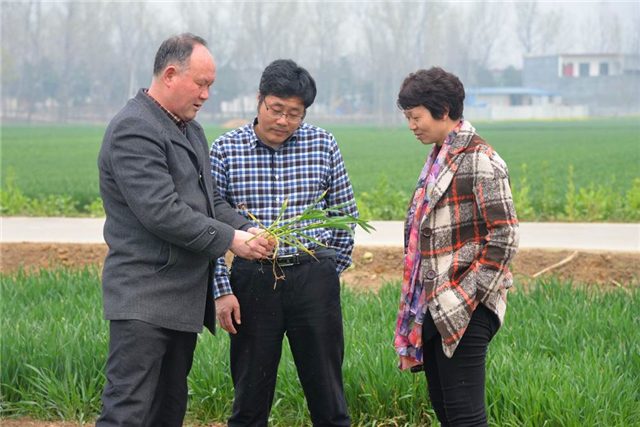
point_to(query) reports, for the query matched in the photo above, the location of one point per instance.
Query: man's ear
(260, 99)
(169, 74)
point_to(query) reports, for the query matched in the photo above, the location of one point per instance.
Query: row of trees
(72, 60)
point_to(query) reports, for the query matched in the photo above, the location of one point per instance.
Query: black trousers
(456, 386)
(146, 374)
(305, 306)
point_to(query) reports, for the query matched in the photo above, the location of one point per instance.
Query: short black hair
(437, 90)
(285, 79)
(176, 50)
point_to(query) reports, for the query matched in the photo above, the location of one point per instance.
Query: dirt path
(373, 266)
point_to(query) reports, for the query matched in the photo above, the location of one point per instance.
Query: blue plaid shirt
(251, 175)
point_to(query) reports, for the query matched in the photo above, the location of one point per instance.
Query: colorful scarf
(413, 304)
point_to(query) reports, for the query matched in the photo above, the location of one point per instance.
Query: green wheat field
(567, 356)
(587, 170)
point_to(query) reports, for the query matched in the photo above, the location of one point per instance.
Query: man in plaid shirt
(257, 167)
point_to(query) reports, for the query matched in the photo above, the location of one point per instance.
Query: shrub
(383, 202)
(521, 197)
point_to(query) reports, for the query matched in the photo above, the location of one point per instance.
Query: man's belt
(299, 258)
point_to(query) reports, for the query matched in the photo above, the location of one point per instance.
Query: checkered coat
(468, 236)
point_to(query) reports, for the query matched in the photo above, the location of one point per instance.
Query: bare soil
(372, 267)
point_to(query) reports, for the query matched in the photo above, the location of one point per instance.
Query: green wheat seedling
(383, 163)
(291, 231)
(566, 355)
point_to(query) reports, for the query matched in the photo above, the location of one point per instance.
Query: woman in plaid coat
(460, 235)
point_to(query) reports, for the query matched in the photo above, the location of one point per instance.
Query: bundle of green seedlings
(291, 231)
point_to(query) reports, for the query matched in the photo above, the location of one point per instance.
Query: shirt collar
(182, 125)
(255, 141)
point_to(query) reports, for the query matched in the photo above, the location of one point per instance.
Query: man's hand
(254, 230)
(226, 307)
(258, 231)
(249, 246)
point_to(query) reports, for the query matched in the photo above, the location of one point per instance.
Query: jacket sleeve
(495, 203)
(226, 214)
(141, 171)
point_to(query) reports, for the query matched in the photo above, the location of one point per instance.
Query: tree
(511, 77)
(23, 74)
(79, 52)
(538, 31)
(479, 31)
(325, 60)
(134, 37)
(216, 23)
(398, 39)
(603, 30)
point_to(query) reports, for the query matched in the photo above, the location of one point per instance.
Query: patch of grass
(564, 357)
(54, 344)
(53, 160)
(560, 170)
(602, 151)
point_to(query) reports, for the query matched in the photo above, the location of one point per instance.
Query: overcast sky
(359, 51)
(583, 24)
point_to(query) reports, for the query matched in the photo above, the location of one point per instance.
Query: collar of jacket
(169, 125)
(454, 157)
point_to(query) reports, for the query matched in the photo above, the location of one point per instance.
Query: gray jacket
(165, 222)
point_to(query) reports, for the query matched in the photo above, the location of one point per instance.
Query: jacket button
(438, 307)
(430, 275)
(211, 230)
(426, 232)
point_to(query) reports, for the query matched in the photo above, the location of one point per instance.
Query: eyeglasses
(276, 113)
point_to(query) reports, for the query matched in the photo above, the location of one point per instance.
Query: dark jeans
(456, 385)
(146, 373)
(305, 306)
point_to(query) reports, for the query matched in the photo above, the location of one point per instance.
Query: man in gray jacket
(165, 226)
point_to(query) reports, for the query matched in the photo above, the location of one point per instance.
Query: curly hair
(438, 91)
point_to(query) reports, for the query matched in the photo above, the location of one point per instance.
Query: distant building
(517, 103)
(509, 96)
(606, 83)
